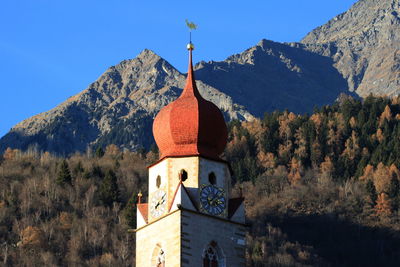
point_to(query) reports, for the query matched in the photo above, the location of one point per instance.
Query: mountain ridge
(125, 97)
(355, 52)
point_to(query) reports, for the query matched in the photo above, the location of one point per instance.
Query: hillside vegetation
(320, 190)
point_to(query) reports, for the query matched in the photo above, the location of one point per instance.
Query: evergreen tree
(130, 211)
(64, 175)
(96, 171)
(78, 169)
(371, 192)
(109, 192)
(393, 191)
(99, 152)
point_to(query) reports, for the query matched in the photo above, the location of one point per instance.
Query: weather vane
(191, 27)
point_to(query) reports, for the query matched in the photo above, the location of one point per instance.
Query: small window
(183, 175)
(212, 179)
(158, 181)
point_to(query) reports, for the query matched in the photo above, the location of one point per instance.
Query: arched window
(161, 259)
(158, 257)
(213, 256)
(183, 175)
(212, 178)
(158, 181)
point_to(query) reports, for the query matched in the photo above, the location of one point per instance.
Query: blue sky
(53, 49)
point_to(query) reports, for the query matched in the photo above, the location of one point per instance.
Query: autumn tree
(353, 123)
(368, 173)
(352, 148)
(302, 149)
(112, 150)
(383, 206)
(332, 137)
(386, 115)
(267, 160)
(295, 169)
(31, 237)
(316, 154)
(381, 178)
(10, 154)
(326, 167)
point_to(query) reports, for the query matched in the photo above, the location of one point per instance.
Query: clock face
(212, 199)
(158, 203)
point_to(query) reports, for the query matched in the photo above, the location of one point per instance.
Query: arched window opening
(158, 257)
(212, 178)
(161, 259)
(183, 175)
(158, 181)
(212, 256)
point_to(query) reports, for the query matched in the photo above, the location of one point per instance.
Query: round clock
(212, 199)
(158, 203)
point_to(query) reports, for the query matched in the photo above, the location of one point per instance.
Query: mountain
(118, 108)
(356, 52)
(364, 43)
(274, 76)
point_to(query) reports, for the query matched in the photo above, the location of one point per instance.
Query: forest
(320, 189)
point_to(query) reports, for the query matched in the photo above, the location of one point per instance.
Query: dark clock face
(212, 199)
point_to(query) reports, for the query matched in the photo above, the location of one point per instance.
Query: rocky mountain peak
(146, 54)
(366, 19)
(364, 43)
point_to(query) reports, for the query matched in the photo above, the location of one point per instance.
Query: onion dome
(190, 125)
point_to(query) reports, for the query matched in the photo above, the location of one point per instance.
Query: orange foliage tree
(383, 206)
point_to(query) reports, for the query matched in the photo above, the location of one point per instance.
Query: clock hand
(216, 198)
(161, 201)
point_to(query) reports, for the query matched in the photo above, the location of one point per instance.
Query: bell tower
(190, 219)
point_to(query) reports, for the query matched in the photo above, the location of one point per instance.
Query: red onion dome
(190, 125)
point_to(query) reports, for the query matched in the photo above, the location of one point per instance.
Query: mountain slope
(271, 76)
(364, 42)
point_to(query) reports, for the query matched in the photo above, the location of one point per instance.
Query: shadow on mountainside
(340, 242)
(73, 131)
(273, 76)
(67, 133)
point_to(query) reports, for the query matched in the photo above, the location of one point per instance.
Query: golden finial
(140, 197)
(190, 46)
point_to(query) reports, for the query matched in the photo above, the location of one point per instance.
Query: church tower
(190, 219)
